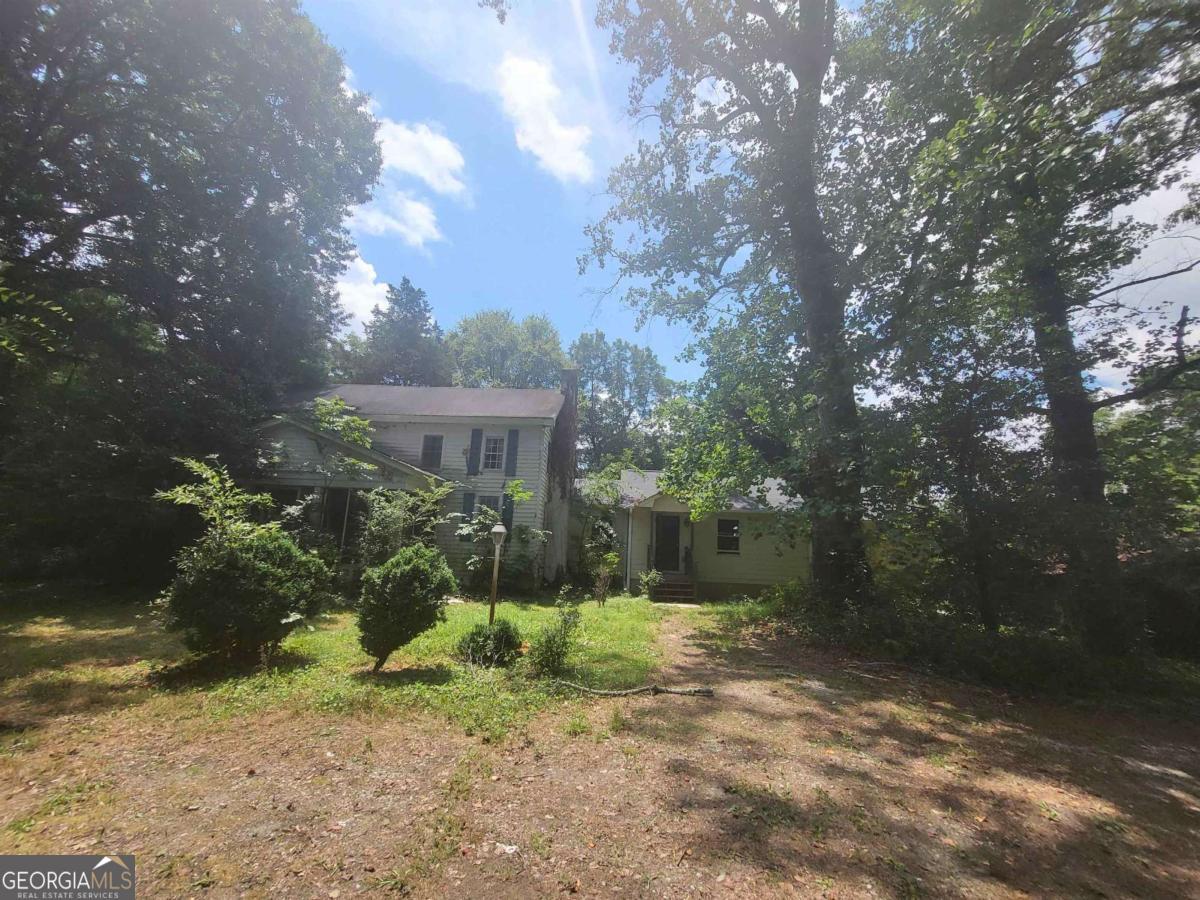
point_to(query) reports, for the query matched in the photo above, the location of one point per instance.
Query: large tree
(492, 349)
(620, 386)
(1079, 109)
(175, 177)
(761, 211)
(401, 344)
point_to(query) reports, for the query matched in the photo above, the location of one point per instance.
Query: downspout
(629, 550)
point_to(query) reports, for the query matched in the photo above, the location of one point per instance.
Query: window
(431, 452)
(492, 503)
(493, 453)
(729, 536)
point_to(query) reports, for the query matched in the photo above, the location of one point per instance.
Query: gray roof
(635, 486)
(374, 400)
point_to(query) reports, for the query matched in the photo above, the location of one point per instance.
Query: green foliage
(492, 349)
(648, 580)
(176, 181)
(492, 645)
(396, 519)
(240, 591)
(550, 647)
(401, 599)
(29, 328)
(401, 344)
(222, 504)
(620, 386)
(518, 556)
(244, 585)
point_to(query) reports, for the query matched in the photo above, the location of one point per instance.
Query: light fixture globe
(499, 533)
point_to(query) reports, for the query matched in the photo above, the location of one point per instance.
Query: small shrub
(402, 598)
(550, 647)
(240, 590)
(649, 580)
(491, 645)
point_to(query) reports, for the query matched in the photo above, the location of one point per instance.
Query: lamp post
(499, 532)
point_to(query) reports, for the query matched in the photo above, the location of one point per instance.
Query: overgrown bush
(491, 645)
(402, 598)
(240, 591)
(550, 647)
(396, 519)
(243, 586)
(649, 580)
(1013, 659)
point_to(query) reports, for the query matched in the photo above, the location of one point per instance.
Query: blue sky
(497, 144)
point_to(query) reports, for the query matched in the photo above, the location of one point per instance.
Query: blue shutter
(510, 451)
(476, 449)
(506, 514)
(468, 511)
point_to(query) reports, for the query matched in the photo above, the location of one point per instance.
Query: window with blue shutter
(476, 450)
(510, 457)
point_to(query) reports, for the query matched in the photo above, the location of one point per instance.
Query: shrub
(491, 645)
(550, 647)
(242, 588)
(649, 580)
(402, 598)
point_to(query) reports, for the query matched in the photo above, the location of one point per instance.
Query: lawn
(811, 772)
(95, 653)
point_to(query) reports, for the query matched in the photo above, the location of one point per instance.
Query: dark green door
(666, 542)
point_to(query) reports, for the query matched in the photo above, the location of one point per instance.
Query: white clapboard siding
(403, 440)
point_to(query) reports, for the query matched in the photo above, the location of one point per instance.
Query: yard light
(499, 533)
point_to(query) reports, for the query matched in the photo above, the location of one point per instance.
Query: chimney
(564, 440)
(562, 472)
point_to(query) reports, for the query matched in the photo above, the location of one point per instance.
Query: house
(736, 551)
(479, 439)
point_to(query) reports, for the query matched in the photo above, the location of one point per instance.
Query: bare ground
(809, 774)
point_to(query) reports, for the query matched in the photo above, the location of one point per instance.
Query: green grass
(84, 657)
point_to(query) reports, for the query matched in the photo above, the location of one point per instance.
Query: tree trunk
(840, 572)
(1109, 625)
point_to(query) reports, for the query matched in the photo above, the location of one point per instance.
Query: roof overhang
(365, 454)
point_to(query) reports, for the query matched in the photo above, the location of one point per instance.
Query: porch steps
(675, 590)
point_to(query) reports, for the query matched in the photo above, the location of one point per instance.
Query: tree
(401, 344)
(620, 385)
(175, 177)
(750, 207)
(492, 349)
(1079, 109)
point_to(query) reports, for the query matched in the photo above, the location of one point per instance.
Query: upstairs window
(729, 536)
(431, 452)
(493, 453)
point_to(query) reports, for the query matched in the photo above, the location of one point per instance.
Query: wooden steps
(675, 589)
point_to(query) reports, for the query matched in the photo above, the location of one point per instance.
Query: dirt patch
(809, 774)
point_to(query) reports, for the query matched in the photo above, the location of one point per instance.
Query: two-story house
(479, 439)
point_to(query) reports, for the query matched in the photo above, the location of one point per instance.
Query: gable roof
(376, 400)
(635, 486)
(367, 454)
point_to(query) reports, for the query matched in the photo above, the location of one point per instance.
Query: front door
(666, 542)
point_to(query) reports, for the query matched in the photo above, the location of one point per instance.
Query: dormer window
(493, 453)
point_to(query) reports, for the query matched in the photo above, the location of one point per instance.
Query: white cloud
(530, 99)
(396, 212)
(423, 152)
(566, 127)
(360, 290)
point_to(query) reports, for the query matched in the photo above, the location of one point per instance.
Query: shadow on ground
(811, 765)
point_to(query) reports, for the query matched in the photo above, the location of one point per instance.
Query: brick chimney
(564, 440)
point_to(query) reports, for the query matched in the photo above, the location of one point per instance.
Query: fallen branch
(645, 689)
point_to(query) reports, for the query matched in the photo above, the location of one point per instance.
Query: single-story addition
(732, 552)
(479, 439)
